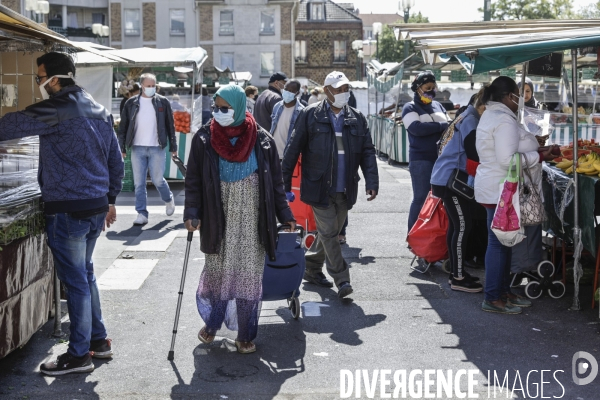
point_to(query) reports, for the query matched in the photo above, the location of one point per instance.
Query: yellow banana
(597, 165)
(564, 164)
(569, 170)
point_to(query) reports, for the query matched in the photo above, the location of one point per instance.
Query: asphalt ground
(396, 320)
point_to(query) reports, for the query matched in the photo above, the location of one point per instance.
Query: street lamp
(406, 5)
(357, 46)
(101, 31)
(377, 29)
(38, 7)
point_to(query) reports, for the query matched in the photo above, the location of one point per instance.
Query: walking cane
(185, 264)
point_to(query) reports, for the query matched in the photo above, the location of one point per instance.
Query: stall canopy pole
(577, 269)
(522, 96)
(193, 87)
(57, 314)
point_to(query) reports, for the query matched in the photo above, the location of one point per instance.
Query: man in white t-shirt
(284, 115)
(146, 128)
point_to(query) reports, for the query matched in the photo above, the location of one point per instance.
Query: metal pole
(57, 314)
(377, 50)
(523, 79)
(577, 272)
(406, 42)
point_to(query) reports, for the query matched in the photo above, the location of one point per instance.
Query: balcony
(73, 32)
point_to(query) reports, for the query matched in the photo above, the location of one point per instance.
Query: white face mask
(341, 99)
(288, 97)
(149, 91)
(224, 119)
(42, 87)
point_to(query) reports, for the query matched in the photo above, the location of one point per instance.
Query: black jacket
(314, 138)
(203, 192)
(263, 107)
(164, 122)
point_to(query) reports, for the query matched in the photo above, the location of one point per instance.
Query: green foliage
(591, 11)
(531, 9)
(392, 50)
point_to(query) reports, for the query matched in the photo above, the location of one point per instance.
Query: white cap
(336, 79)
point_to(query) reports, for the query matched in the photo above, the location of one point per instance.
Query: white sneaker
(140, 220)
(170, 207)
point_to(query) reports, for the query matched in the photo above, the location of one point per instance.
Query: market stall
(490, 46)
(27, 284)
(185, 68)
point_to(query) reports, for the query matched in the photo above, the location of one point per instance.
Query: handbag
(530, 200)
(458, 182)
(427, 238)
(506, 223)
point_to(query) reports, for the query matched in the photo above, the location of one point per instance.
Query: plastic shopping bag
(427, 238)
(506, 224)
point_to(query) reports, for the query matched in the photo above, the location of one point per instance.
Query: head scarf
(532, 102)
(236, 97)
(421, 79)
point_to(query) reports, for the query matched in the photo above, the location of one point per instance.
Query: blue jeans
(142, 159)
(497, 264)
(420, 176)
(72, 243)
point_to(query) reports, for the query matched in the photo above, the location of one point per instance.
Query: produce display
(182, 121)
(588, 164)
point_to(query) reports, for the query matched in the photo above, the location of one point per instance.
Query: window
(300, 51)
(227, 60)
(317, 11)
(339, 51)
(132, 22)
(267, 23)
(177, 22)
(368, 33)
(98, 18)
(267, 64)
(226, 26)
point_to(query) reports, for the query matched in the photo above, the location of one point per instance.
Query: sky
(436, 10)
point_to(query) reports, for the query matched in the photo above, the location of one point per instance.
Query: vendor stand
(27, 284)
(487, 46)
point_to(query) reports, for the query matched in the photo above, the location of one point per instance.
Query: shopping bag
(506, 224)
(427, 238)
(530, 200)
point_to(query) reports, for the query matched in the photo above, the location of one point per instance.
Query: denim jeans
(420, 175)
(142, 159)
(72, 243)
(497, 264)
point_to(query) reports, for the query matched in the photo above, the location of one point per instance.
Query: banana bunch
(589, 164)
(565, 164)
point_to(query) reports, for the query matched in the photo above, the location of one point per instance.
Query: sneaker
(345, 290)
(421, 267)
(67, 364)
(318, 279)
(466, 275)
(508, 309)
(517, 301)
(101, 348)
(140, 220)
(170, 207)
(342, 239)
(466, 285)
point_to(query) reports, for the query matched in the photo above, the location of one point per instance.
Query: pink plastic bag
(506, 224)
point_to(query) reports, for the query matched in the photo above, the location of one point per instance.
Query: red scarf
(246, 134)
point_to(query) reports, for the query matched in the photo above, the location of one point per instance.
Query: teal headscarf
(236, 97)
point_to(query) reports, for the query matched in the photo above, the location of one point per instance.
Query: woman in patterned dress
(234, 188)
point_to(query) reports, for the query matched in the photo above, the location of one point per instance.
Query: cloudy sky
(437, 10)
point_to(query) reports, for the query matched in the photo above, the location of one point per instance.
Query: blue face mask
(223, 119)
(288, 97)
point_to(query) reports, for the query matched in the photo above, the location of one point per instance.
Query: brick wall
(286, 59)
(115, 22)
(319, 50)
(208, 64)
(14, 5)
(149, 21)
(206, 22)
(286, 22)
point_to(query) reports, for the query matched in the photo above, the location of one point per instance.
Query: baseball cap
(336, 79)
(278, 76)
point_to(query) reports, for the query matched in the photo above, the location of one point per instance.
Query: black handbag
(459, 180)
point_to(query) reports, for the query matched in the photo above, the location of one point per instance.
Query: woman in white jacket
(499, 137)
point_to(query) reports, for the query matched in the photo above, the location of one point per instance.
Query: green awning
(494, 58)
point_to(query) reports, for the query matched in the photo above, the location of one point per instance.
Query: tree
(591, 11)
(391, 49)
(530, 9)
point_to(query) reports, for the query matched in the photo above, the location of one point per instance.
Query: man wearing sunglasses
(80, 175)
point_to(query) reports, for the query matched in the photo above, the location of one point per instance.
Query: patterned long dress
(230, 286)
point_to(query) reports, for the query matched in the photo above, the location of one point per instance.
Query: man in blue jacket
(80, 175)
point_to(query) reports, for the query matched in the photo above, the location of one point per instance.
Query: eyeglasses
(38, 79)
(224, 110)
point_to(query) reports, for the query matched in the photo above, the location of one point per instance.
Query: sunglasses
(224, 110)
(38, 79)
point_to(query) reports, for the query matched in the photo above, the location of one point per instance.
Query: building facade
(253, 36)
(324, 35)
(160, 23)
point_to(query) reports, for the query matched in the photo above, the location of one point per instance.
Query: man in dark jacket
(334, 141)
(263, 108)
(80, 176)
(146, 127)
